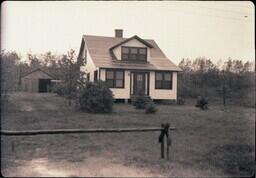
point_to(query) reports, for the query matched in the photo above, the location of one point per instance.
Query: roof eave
(131, 68)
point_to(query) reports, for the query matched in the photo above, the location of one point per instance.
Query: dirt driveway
(200, 147)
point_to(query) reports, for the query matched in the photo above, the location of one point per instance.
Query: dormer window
(134, 53)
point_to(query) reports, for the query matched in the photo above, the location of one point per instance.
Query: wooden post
(161, 140)
(162, 149)
(167, 144)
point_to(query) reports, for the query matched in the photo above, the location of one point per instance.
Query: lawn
(216, 142)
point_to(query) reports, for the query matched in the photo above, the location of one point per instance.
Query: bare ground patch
(91, 167)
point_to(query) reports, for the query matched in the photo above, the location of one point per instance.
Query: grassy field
(216, 142)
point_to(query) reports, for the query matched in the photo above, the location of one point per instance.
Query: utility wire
(244, 16)
(223, 10)
(234, 5)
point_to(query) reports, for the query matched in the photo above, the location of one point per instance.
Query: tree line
(229, 80)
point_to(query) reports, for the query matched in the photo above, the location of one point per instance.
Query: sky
(183, 29)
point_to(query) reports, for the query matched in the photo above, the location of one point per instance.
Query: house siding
(163, 93)
(89, 67)
(131, 43)
(119, 93)
(124, 93)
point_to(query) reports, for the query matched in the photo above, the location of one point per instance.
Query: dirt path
(92, 167)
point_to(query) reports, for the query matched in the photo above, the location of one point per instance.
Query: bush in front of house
(150, 108)
(141, 100)
(95, 97)
(202, 103)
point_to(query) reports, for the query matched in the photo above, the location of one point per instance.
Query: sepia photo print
(127, 89)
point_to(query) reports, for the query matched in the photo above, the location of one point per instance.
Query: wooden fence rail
(73, 131)
(164, 133)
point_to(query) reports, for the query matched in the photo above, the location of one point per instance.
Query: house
(129, 65)
(36, 81)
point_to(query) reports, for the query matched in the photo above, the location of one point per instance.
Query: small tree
(70, 72)
(96, 97)
(202, 103)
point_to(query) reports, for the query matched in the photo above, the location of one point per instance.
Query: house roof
(128, 39)
(100, 48)
(38, 69)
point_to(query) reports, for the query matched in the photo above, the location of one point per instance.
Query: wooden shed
(36, 81)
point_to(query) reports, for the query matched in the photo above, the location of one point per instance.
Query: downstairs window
(115, 78)
(163, 80)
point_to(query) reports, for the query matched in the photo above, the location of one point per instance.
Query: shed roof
(38, 69)
(99, 48)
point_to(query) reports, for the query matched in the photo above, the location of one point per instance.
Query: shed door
(43, 85)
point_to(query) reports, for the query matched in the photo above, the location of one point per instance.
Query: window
(88, 77)
(115, 78)
(163, 80)
(134, 53)
(95, 75)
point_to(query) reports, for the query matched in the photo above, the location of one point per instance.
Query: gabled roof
(129, 39)
(38, 69)
(99, 50)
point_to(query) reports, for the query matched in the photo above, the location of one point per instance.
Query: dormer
(131, 53)
(132, 49)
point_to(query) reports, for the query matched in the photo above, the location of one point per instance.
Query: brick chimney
(119, 33)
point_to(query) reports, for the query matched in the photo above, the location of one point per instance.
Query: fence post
(162, 149)
(167, 140)
(161, 140)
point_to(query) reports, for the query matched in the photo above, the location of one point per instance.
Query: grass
(216, 142)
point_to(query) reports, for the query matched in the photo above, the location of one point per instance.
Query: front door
(139, 83)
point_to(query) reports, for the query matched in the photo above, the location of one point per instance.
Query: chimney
(119, 33)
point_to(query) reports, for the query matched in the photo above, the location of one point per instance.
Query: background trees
(233, 79)
(9, 71)
(228, 80)
(63, 67)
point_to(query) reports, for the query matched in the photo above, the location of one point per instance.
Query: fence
(164, 133)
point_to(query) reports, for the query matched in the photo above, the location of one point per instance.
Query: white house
(129, 65)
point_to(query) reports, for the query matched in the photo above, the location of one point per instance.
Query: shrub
(150, 108)
(141, 100)
(202, 103)
(59, 89)
(95, 97)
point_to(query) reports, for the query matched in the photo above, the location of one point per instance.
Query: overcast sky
(216, 30)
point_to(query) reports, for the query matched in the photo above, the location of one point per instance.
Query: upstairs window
(115, 78)
(134, 53)
(163, 80)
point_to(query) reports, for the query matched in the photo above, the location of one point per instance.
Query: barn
(36, 81)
